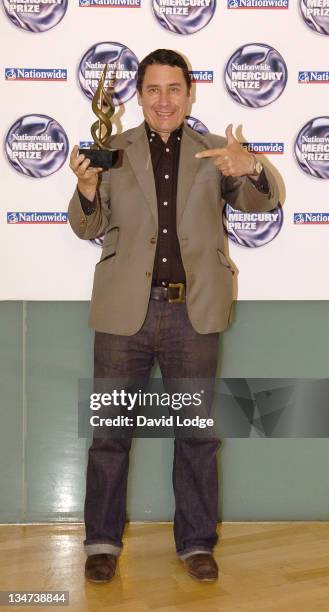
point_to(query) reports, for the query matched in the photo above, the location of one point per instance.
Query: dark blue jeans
(168, 336)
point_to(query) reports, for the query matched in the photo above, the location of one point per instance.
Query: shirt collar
(151, 133)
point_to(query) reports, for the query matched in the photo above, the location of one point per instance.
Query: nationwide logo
(315, 76)
(202, 76)
(258, 4)
(311, 218)
(267, 148)
(35, 74)
(111, 3)
(86, 144)
(16, 218)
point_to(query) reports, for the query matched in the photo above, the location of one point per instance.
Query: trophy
(100, 153)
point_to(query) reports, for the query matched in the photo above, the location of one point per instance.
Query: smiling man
(162, 290)
(164, 97)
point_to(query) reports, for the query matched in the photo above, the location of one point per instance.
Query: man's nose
(163, 98)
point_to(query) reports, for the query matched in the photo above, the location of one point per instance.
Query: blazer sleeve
(95, 224)
(243, 195)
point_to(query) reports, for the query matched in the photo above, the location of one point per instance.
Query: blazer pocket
(110, 244)
(111, 236)
(105, 258)
(224, 261)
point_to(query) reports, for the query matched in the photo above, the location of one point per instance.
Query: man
(161, 213)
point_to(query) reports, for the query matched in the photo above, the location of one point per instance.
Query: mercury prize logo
(36, 146)
(196, 125)
(184, 16)
(252, 229)
(312, 148)
(255, 75)
(122, 64)
(35, 15)
(316, 14)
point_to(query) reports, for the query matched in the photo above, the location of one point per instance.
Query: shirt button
(152, 134)
(167, 150)
(164, 259)
(165, 203)
(163, 283)
(150, 139)
(165, 231)
(178, 137)
(166, 176)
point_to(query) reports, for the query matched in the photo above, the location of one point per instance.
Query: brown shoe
(100, 568)
(202, 566)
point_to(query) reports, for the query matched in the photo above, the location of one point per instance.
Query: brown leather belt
(174, 293)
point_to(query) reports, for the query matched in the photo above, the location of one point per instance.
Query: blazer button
(153, 240)
(148, 274)
(83, 221)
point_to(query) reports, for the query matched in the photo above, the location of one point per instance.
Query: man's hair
(166, 57)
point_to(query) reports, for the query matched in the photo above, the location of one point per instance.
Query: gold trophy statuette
(100, 153)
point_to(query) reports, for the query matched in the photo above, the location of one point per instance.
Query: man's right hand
(87, 177)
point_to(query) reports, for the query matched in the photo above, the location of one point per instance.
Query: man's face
(164, 98)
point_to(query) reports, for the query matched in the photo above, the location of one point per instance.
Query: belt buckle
(180, 288)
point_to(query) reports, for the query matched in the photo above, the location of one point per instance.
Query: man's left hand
(232, 160)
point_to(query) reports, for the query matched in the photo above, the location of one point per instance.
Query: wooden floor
(266, 567)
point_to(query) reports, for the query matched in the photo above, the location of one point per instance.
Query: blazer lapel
(188, 167)
(138, 153)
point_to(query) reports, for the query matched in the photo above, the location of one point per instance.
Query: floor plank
(264, 567)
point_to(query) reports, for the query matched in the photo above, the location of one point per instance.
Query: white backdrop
(47, 261)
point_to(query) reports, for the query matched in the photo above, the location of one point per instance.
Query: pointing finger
(211, 153)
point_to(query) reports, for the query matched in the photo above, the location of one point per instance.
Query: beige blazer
(127, 214)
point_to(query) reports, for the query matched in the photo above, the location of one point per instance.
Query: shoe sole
(202, 579)
(99, 581)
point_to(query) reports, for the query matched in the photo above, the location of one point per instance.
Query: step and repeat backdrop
(262, 65)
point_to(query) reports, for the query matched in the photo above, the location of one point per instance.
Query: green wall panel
(12, 412)
(58, 352)
(47, 347)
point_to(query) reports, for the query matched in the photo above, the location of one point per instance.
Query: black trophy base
(100, 158)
